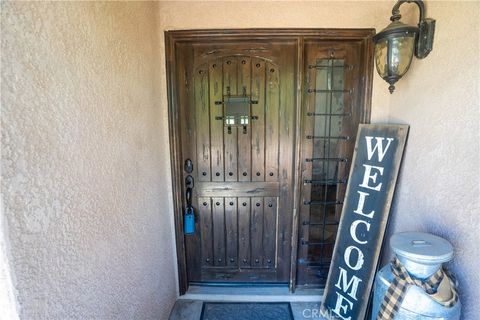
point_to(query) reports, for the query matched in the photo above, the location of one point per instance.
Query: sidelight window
(327, 147)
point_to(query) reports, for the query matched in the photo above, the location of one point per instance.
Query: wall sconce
(395, 45)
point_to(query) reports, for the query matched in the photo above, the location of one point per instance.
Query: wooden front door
(258, 121)
(237, 104)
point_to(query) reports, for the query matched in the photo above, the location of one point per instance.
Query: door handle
(188, 197)
(189, 182)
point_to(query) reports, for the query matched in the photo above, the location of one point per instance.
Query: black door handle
(188, 196)
(189, 182)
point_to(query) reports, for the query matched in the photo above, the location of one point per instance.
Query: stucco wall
(438, 189)
(84, 161)
(8, 305)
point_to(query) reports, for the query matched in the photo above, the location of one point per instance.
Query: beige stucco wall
(84, 161)
(8, 304)
(439, 186)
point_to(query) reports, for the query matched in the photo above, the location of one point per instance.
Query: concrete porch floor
(304, 302)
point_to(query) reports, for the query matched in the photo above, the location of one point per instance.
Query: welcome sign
(376, 162)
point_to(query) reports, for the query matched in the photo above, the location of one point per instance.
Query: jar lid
(421, 247)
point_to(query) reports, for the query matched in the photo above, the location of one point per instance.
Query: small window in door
(236, 110)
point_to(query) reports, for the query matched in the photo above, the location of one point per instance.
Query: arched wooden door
(267, 119)
(237, 104)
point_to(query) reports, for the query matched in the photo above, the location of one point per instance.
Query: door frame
(298, 35)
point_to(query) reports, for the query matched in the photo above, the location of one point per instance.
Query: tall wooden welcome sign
(374, 171)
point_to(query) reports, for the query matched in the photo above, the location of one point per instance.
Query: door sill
(251, 293)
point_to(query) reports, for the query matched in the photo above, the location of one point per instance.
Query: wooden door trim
(298, 35)
(269, 33)
(174, 140)
(297, 170)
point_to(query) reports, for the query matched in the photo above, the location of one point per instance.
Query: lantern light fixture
(396, 44)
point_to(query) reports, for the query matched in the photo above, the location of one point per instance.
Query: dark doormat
(246, 311)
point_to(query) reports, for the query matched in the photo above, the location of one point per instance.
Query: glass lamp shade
(394, 47)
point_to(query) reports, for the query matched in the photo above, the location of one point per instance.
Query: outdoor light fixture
(395, 45)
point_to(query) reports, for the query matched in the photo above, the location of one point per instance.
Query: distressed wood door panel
(243, 194)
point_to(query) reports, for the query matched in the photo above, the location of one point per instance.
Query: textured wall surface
(439, 97)
(8, 304)
(84, 161)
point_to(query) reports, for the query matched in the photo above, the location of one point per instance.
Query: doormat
(246, 311)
